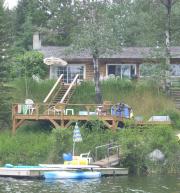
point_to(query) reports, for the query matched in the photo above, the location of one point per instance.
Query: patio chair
(104, 109)
(57, 109)
(29, 106)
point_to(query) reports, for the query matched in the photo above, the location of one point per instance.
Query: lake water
(122, 184)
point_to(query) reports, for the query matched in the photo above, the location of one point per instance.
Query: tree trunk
(96, 80)
(167, 44)
(168, 5)
(168, 34)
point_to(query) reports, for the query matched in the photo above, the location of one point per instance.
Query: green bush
(24, 148)
(28, 64)
(61, 143)
(137, 144)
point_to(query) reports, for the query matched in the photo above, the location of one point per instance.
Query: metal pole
(73, 148)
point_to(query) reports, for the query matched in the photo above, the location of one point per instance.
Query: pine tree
(4, 96)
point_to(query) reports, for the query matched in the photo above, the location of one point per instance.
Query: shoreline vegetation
(38, 142)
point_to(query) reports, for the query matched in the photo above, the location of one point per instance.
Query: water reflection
(76, 186)
(122, 184)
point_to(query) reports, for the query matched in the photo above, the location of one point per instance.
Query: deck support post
(62, 123)
(68, 123)
(54, 123)
(107, 124)
(16, 124)
(114, 124)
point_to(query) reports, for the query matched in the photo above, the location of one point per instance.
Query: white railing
(71, 85)
(53, 88)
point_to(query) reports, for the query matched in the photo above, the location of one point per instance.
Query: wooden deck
(63, 116)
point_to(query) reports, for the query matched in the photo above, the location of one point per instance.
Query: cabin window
(121, 70)
(156, 70)
(70, 72)
(148, 70)
(175, 69)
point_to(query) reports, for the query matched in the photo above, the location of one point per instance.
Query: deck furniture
(29, 107)
(57, 109)
(83, 112)
(104, 108)
(69, 110)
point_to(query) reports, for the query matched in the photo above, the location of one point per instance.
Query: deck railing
(53, 88)
(67, 110)
(107, 150)
(70, 87)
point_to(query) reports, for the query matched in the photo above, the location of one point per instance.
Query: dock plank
(108, 162)
(39, 172)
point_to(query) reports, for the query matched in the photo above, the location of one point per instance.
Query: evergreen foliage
(30, 16)
(4, 90)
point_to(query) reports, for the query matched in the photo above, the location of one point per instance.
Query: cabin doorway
(70, 72)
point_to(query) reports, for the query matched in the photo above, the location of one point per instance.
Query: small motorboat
(72, 175)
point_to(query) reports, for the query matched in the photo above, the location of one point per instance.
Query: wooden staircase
(175, 91)
(61, 92)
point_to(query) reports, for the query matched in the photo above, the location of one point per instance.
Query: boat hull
(72, 175)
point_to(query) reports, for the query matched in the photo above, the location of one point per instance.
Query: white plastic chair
(30, 106)
(87, 157)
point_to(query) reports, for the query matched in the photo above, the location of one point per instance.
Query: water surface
(122, 184)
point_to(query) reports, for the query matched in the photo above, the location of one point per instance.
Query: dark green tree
(62, 19)
(5, 113)
(30, 17)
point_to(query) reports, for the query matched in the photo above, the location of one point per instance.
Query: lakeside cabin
(129, 63)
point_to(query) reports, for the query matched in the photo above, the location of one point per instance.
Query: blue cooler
(67, 156)
(126, 112)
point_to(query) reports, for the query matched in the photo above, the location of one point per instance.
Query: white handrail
(71, 85)
(53, 88)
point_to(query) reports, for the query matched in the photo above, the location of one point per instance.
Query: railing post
(96, 154)
(13, 118)
(108, 157)
(37, 111)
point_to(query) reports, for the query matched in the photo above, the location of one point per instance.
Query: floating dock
(38, 172)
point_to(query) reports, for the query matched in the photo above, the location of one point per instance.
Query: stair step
(174, 89)
(175, 92)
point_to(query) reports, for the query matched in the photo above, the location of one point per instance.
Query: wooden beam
(68, 123)
(16, 124)
(107, 124)
(53, 88)
(54, 123)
